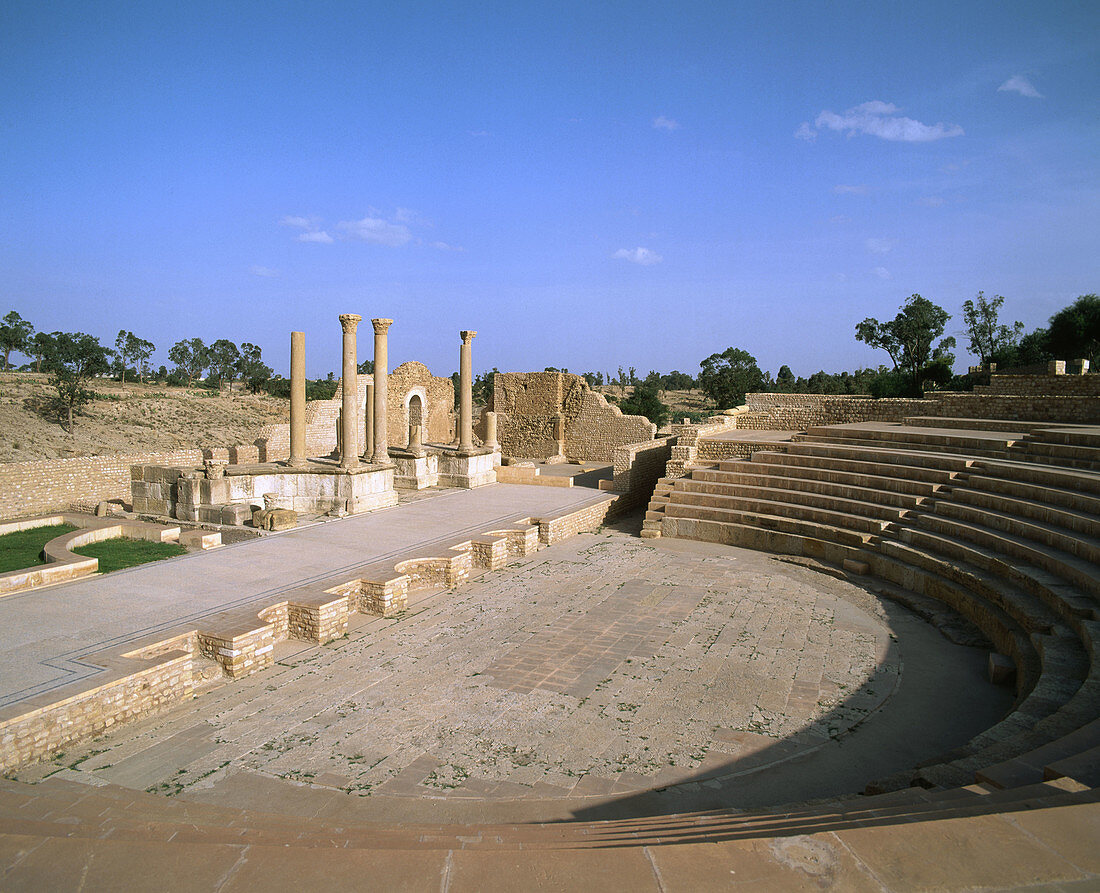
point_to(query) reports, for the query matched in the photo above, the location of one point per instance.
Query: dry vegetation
(128, 418)
(678, 402)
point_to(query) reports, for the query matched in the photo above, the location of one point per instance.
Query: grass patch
(116, 554)
(23, 548)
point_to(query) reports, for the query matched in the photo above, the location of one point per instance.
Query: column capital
(467, 336)
(349, 322)
(381, 326)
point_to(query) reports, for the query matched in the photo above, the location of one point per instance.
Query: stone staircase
(991, 533)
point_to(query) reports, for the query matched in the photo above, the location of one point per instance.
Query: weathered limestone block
(274, 519)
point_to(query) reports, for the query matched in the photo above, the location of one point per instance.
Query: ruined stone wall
(527, 405)
(46, 485)
(1087, 385)
(637, 466)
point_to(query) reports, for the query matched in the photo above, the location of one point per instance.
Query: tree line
(74, 359)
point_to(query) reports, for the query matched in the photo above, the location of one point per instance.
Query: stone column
(381, 389)
(349, 452)
(491, 430)
(368, 428)
(466, 392)
(297, 400)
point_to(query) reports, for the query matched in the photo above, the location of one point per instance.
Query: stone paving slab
(48, 633)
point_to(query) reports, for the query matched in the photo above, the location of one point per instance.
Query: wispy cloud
(663, 123)
(883, 273)
(879, 119)
(265, 272)
(1019, 84)
(310, 225)
(642, 256)
(852, 189)
(443, 246)
(879, 246)
(805, 132)
(376, 231)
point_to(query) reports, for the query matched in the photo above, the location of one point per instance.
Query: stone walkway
(605, 670)
(48, 633)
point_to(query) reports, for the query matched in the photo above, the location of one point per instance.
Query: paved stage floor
(603, 676)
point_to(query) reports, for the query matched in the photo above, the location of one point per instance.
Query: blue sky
(586, 184)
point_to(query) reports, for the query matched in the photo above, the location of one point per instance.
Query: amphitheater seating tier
(999, 522)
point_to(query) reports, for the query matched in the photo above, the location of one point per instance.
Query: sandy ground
(127, 419)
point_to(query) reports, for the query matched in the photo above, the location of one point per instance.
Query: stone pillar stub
(349, 447)
(466, 392)
(297, 400)
(491, 430)
(381, 390)
(368, 428)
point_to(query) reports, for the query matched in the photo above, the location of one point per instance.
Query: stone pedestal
(414, 472)
(468, 468)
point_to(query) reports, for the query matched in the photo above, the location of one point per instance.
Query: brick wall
(32, 488)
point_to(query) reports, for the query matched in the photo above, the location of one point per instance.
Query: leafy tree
(633, 373)
(591, 379)
(122, 350)
(909, 338)
(621, 381)
(72, 361)
(987, 336)
(37, 349)
(726, 377)
(677, 381)
(141, 350)
(483, 387)
(364, 368)
(1074, 332)
(252, 369)
(646, 401)
(222, 360)
(190, 357)
(15, 334)
(785, 380)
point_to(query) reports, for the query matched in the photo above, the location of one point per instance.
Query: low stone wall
(1087, 385)
(637, 467)
(797, 412)
(716, 450)
(48, 485)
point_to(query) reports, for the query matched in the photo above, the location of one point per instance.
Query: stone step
(919, 437)
(882, 454)
(1014, 426)
(1041, 475)
(1054, 498)
(1067, 601)
(1032, 766)
(688, 505)
(1079, 573)
(921, 446)
(906, 478)
(826, 483)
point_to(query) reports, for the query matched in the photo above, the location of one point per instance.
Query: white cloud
(1019, 84)
(643, 256)
(879, 246)
(883, 273)
(319, 236)
(842, 189)
(930, 201)
(663, 123)
(880, 119)
(443, 246)
(805, 132)
(299, 222)
(377, 231)
(265, 272)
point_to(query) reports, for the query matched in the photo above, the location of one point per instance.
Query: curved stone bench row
(1012, 547)
(149, 674)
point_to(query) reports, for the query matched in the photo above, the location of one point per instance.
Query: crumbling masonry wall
(528, 404)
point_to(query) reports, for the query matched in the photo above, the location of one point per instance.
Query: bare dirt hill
(130, 418)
